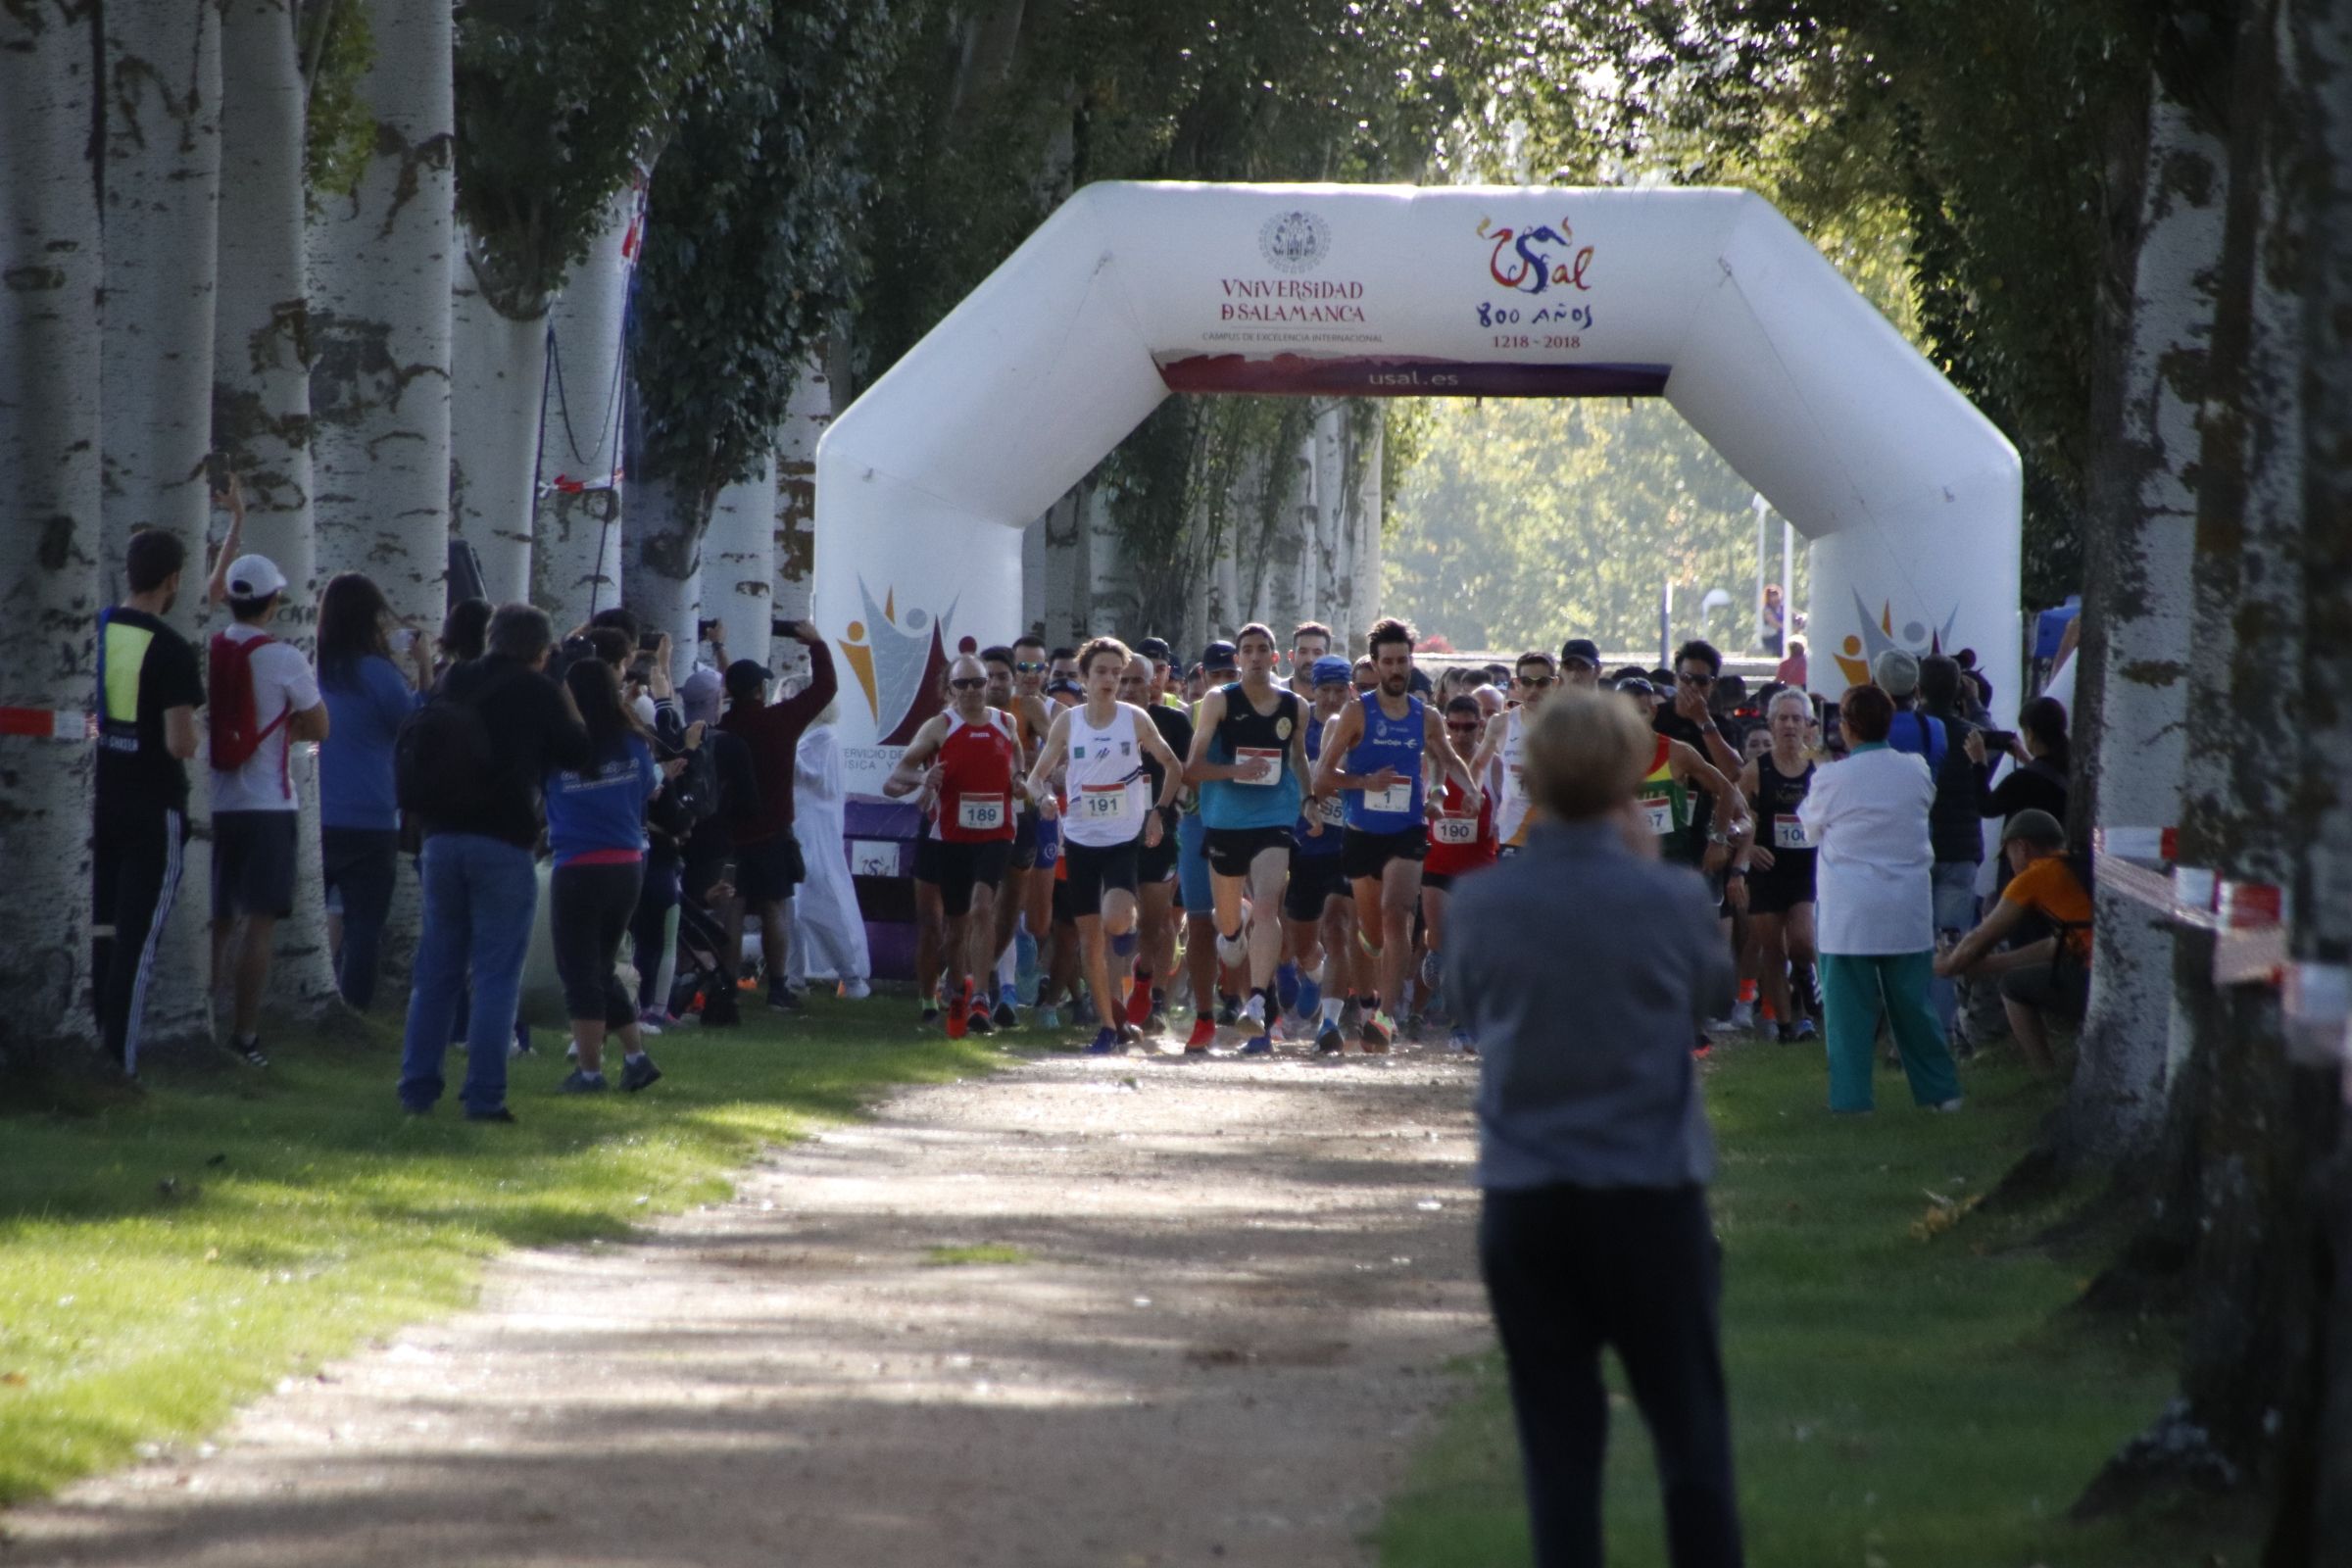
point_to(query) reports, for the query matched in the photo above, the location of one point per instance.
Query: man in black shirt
(481, 888)
(148, 693)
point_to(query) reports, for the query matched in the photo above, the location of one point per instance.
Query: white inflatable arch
(1130, 292)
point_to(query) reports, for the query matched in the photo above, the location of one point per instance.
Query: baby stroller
(705, 982)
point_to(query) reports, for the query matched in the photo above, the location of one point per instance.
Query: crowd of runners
(1265, 843)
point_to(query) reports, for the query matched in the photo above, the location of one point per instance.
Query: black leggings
(588, 913)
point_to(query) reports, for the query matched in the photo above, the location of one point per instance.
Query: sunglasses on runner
(1028, 666)
(970, 684)
(1462, 726)
(1690, 678)
(1535, 683)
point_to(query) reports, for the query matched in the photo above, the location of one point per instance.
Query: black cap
(747, 675)
(1155, 649)
(1583, 647)
(1217, 655)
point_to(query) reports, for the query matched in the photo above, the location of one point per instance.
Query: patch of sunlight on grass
(981, 1252)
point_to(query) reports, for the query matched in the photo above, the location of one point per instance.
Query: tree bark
(664, 561)
(577, 537)
(498, 383)
(793, 549)
(380, 305)
(739, 570)
(163, 193)
(49, 470)
(2138, 636)
(261, 398)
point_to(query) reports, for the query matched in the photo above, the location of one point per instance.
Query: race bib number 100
(1788, 833)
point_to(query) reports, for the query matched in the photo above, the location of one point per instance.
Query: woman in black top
(1780, 866)
(2041, 749)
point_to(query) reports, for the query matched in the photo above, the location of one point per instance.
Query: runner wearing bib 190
(1499, 761)
(1779, 885)
(1249, 760)
(1376, 751)
(1318, 909)
(1462, 842)
(1108, 818)
(964, 761)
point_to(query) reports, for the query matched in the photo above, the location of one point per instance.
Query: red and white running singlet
(976, 792)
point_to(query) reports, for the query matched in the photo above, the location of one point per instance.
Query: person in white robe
(828, 934)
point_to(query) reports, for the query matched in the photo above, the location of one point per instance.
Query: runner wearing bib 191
(1499, 762)
(1109, 814)
(1248, 757)
(965, 761)
(1780, 885)
(1318, 907)
(1376, 750)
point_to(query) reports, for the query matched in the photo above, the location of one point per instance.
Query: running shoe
(1743, 1018)
(1704, 1048)
(1229, 1011)
(1254, 1011)
(1379, 1030)
(930, 1019)
(1006, 1017)
(1106, 1043)
(1024, 962)
(1155, 1022)
(781, 998)
(1231, 951)
(1352, 1016)
(1203, 1035)
(1806, 1029)
(979, 1023)
(1460, 1043)
(650, 1022)
(1082, 1011)
(1047, 1019)
(248, 1052)
(1330, 1042)
(1310, 999)
(959, 1010)
(856, 990)
(1129, 1034)
(638, 1072)
(1287, 985)
(1139, 1005)
(582, 1082)
(1260, 1044)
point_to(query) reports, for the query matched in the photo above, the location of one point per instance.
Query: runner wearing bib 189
(1248, 757)
(964, 759)
(1109, 816)
(1376, 751)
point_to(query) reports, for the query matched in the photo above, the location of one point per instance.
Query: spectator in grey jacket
(1593, 1146)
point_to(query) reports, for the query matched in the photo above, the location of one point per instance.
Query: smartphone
(782, 626)
(703, 628)
(649, 641)
(1997, 742)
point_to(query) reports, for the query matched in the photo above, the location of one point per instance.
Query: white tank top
(1509, 783)
(1108, 790)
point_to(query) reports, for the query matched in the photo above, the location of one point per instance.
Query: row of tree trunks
(576, 538)
(50, 264)
(498, 368)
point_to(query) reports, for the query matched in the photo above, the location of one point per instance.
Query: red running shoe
(1204, 1035)
(960, 1009)
(1139, 1003)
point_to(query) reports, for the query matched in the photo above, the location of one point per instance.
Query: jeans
(360, 864)
(1571, 1271)
(1955, 883)
(479, 895)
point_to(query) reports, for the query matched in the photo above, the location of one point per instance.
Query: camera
(648, 642)
(782, 626)
(704, 629)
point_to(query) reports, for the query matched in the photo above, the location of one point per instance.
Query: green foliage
(753, 249)
(557, 107)
(339, 128)
(1906, 1385)
(165, 1261)
(1527, 522)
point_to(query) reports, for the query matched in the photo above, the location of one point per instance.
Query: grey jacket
(1584, 971)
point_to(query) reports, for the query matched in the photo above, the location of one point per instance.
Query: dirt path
(1241, 1286)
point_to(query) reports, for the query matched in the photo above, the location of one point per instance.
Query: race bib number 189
(980, 813)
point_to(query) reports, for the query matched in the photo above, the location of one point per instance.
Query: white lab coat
(1873, 888)
(828, 934)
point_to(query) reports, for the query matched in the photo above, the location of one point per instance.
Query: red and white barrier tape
(48, 725)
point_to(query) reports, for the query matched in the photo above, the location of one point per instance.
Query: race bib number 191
(1103, 803)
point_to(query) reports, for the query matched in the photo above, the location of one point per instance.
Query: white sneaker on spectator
(856, 990)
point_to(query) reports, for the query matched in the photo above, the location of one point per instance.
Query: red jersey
(975, 792)
(1458, 841)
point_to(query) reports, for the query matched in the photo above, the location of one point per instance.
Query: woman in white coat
(828, 934)
(1875, 909)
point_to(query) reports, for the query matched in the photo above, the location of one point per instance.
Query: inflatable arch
(1130, 292)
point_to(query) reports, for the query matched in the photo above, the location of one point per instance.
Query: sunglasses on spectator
(1536, 683)
(970, 684)
(1028, 666)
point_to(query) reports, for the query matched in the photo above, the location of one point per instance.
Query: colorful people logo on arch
(1859, 651)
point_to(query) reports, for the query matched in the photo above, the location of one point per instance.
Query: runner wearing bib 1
(1385, 824)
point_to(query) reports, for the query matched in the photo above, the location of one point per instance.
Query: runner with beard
(1110, 819)
(1376, 752)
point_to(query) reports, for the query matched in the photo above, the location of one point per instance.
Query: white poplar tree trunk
(498, 380)
(793, 552)
(163, 192)
(738, 579)
(2118, 1094)
(379, 315)
(49, 471)
(262, 395)
(663, 564)
(577, 536)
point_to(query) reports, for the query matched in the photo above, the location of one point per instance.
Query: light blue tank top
(1388, 743)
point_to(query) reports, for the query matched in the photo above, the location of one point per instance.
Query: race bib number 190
(1454, 831)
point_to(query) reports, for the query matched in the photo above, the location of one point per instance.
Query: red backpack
(229, 695)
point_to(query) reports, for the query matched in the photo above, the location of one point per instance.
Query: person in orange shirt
(2053, 974)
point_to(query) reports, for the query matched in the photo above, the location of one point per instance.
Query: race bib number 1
(980, 813)
(1103, 803)
(1397, 797)
(1659, 814)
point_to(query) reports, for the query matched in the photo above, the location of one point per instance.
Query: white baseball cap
(255, 577)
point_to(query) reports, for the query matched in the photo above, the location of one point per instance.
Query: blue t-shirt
(600, 810)
(365, 705)
(1920, 735)
(1388, 743)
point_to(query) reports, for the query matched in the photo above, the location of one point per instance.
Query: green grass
(175, 1254)
(1907, 1391)
(965, 1257)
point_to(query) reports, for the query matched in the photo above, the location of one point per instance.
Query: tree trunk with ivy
(576, 548)
(49, 470)
(2255, 1126)
(163, 192)
(2138, 637)
(498, 383)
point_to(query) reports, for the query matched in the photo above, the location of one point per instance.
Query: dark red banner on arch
(1407, 376)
